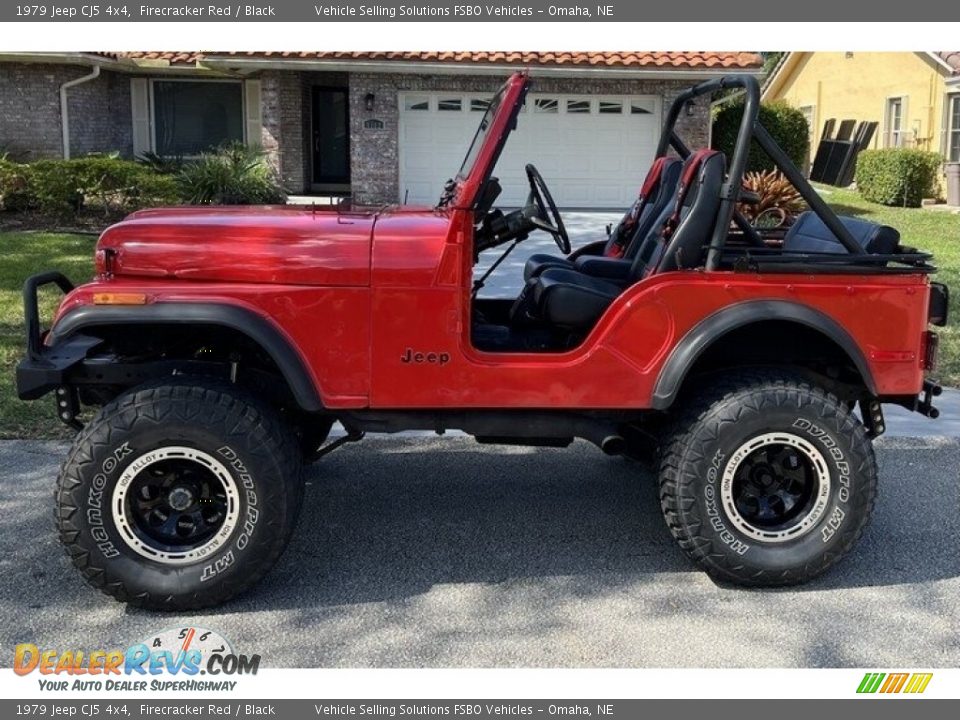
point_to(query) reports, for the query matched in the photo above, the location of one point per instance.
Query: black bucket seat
(676, 241)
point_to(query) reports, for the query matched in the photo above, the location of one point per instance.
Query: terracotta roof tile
(625, 59)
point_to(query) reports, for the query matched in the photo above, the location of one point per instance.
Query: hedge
(787, 125)
(63, 187)
(900, 177)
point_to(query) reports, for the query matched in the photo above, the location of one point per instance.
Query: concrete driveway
(417, 551)
(583, 226)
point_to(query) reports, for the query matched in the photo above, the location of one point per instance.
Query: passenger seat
(626, 238)
(575, 301)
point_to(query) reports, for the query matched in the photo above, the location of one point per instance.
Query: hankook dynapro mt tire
(766, 479)
(180, 495)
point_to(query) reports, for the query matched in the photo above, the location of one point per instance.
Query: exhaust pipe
(613, 445)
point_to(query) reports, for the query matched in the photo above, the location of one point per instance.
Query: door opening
(330, 140)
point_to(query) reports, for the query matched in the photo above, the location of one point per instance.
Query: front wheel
(767, 480)
(179, 496)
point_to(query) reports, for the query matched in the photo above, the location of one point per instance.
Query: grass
(930, 231)
(25, 253)
(22, 254)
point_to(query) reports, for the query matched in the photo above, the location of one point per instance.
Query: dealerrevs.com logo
(171, 660)
(894, 683)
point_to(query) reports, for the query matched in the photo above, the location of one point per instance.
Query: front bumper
(47, 370)
(44, 368)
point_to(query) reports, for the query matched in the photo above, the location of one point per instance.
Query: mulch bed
(84, 224)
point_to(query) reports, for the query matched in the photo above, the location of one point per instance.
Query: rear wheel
(179, 496)
(767, 480)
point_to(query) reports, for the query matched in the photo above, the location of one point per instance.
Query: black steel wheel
(766, 479)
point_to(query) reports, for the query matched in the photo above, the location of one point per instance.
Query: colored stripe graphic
(870, 682)
(893, 683)
(918, 682)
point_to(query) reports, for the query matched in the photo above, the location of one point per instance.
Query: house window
(953, 136)
(611, 107)
(449, 105)
(896, 134)
(546, 105)
(416, 103)
(577, 107)
(193, 116)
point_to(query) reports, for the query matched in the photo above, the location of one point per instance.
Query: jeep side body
(216, 347)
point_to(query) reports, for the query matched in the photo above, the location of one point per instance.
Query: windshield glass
(485, 122)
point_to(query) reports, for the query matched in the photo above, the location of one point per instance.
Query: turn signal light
(118, 298)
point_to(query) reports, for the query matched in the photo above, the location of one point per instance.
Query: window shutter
(253, 115)
(140, 106)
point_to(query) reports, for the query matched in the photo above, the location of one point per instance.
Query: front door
(330, 137)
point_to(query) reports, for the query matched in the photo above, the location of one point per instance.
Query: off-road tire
(707, 438)
(244, 437)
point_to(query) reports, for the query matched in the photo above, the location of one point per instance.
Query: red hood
(287, 244)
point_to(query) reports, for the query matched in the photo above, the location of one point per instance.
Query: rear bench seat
(809, 235)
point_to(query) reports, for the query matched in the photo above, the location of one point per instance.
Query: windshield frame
(469, 181)
(480, 136)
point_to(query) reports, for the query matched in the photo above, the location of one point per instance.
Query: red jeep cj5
(221, 344)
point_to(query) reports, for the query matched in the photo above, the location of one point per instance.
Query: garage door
(593, 151)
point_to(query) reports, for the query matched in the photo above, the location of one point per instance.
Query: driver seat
(625, 239)
(575, 301)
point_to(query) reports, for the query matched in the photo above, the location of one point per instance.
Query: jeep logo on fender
(411, 357)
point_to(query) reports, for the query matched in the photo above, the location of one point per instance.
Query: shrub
(775, 191)
(99, 182)
(112, 184)
(154, 190)
(163, 164)
(14, 182)
(234, 174)
(787, 125)
(54, 188)
(897, 176)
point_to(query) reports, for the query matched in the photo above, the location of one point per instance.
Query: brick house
(381, 126)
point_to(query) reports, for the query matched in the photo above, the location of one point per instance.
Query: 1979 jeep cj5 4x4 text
(220, 344)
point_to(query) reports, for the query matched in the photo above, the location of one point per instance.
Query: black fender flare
(715, 326)
(255, 326)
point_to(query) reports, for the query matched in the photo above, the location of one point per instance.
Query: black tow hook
(924, 402)
(353, 435)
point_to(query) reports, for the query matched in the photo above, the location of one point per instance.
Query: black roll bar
(738, 219)
(750, 128)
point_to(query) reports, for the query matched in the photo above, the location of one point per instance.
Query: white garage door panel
(588, 159)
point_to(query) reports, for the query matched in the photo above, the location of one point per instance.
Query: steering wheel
(551, 222)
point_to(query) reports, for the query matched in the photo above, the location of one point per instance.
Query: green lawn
(21, 255)
(25, 253)
(937, 232)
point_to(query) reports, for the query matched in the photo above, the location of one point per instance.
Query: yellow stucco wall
(857, 86)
